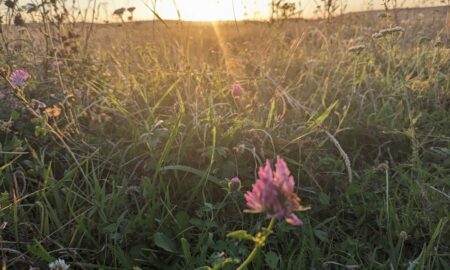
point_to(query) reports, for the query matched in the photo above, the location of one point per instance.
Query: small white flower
(357, 49)
(388, 31)
(392, 30)
(397, 29)
(377, 35)
(59, 264)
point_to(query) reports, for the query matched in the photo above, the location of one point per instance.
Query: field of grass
(128, 164)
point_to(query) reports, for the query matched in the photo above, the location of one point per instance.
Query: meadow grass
(133, 173)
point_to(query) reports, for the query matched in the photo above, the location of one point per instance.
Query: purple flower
(273, 193)
(234, 184)
(237, 89)
(19, 78)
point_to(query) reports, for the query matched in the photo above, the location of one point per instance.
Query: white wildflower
(59, 264)
(357, 49)
(392, 30)
(377, 35)
(397, 29)
(388, 31)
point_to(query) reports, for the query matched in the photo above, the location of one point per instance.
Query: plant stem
(258, 246)
(387, 196)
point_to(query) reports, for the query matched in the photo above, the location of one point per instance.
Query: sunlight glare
(204, 10)
(228, 10)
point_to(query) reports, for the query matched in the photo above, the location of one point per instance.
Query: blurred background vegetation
(129, 166)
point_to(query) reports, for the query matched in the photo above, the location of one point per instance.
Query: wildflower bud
(234, 184)
(239, 149)
(237, 90)
(403, 235)
(382, 167)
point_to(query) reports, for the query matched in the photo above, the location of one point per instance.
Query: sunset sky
(206, 10)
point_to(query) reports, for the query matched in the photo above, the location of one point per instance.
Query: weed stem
(258, 246)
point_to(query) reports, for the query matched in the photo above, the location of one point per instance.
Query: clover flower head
(237, 89)
(19, 78)
(234, 184)
(382, 167)
(59, 264)
(273, 193)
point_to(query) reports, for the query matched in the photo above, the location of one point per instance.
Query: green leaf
(193, 171)
(156, 14)
(182, 219)
(353, 189)
(272, 259)
(39, 251)
(186, 250)
(324, 198)
(122, 257)
(324, 115)
(271, 113)
(241, 235)
(164, 242)
(322, 235)
(14, 116)
(428, 250)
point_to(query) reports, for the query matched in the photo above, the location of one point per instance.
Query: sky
(206, 10)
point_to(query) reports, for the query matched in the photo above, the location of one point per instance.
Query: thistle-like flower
(19, 78)
(237, 89)
(273, 193)
(59, 264)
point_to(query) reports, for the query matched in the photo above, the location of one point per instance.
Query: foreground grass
(153, 133)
